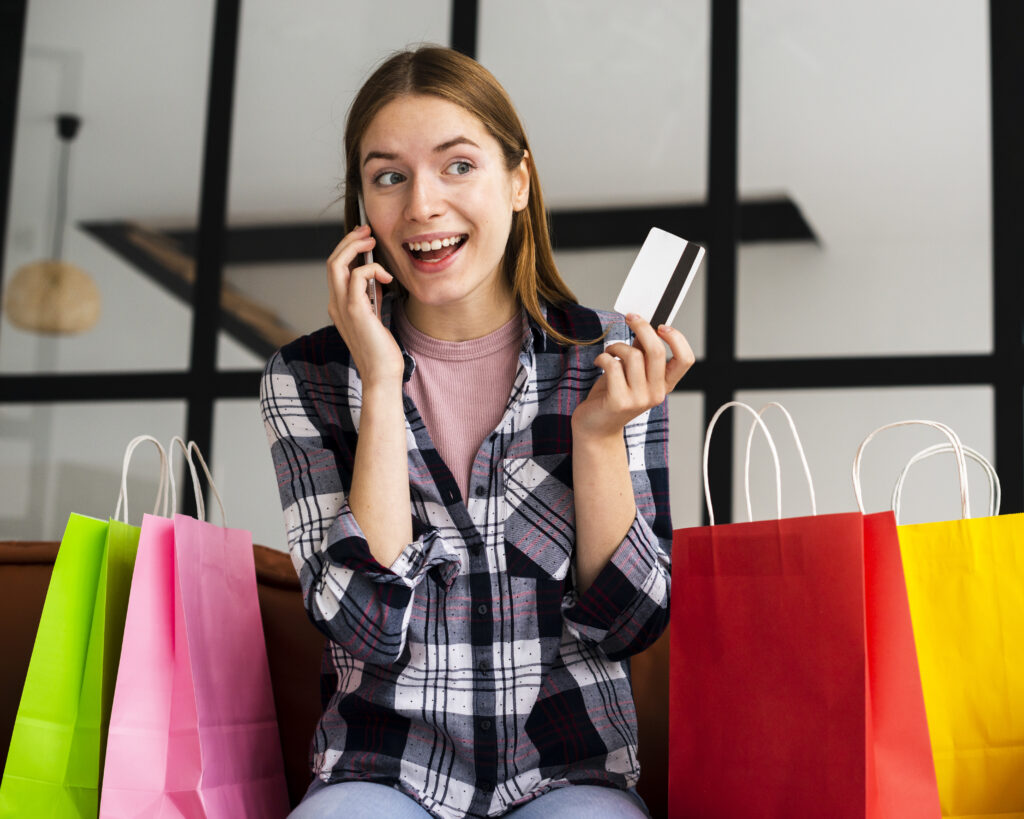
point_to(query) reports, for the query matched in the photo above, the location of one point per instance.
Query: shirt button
(480, 491)
(485, 725)
(487, 787)
(484, 665)
(482, 609)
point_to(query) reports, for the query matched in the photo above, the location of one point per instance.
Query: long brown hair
(529, 262)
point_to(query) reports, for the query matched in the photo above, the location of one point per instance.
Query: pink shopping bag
(193, 731)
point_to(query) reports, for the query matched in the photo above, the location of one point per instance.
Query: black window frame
(720, 374)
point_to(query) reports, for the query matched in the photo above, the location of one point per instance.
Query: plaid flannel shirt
(470, 674)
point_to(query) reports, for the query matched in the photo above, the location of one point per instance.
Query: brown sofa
(293, 648)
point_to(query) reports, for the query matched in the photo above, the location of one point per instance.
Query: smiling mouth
(437, 250)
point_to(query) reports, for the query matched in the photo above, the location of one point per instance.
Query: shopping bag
(965, 583)
(193, 731)
(53, 766)
(794, 688)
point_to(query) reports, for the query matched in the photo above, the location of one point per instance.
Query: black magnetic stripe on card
(675, 284)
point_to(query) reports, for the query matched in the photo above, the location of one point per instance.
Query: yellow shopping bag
(965, 586)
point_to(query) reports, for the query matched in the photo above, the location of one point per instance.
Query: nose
(425, 199)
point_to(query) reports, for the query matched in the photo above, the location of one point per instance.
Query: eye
(460, 167)
(388, 178)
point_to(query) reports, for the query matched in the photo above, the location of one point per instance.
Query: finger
(682, 355)
(613, 372)
(352, 244)
(612, 361)
(337, 280)
(340, 262)
(653, 347)
(622, 350)
(634, 364)
(359, 279)
(356, 234)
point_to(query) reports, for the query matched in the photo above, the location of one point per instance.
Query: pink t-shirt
(461, 388)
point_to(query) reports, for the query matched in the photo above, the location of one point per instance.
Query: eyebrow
(444, 146)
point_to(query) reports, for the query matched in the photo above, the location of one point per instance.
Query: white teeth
(436, 244)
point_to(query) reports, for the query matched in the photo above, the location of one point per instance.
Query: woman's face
(440, 201)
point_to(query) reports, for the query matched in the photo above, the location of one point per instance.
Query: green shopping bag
(56, 752)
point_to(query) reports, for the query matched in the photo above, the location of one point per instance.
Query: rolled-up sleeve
(626, 608)
(350, 597)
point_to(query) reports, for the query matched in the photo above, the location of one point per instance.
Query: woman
(475, 490)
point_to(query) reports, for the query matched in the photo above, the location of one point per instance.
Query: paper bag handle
(177, 442)
(162, 495)
(799, 448)
(955, 444)
(995, 494)
(771, 444)
(191, 451)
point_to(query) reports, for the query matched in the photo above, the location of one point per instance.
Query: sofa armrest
(294, 651)
(649, 676)
(25, 568)
(294, 646)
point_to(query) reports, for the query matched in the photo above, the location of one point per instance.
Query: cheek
(387, 257)
(494, 211)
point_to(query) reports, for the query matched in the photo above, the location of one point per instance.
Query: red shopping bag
(193, 731)
(794, 688)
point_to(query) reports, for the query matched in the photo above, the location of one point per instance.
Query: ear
(521, 184)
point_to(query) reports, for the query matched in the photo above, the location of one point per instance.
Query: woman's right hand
(373, 348)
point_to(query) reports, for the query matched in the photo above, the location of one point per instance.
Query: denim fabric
(353, 800)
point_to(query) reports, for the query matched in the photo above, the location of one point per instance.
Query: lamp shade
(52, 296)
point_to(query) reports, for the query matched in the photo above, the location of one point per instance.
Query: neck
(472, 318)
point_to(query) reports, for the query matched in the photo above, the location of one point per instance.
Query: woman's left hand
(636, 378)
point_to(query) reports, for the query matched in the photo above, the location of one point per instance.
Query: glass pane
(285, 300)
(833, 423)
(686, 439)
(244, 472)
(874, 119)
(298, 70)
(136, 75)
(613, 95)
(64, 458)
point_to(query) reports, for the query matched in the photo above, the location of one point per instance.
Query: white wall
(873, 117)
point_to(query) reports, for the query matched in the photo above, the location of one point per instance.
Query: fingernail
(663, 328)
(631, 317)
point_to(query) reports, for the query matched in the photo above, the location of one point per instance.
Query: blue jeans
(354, 800)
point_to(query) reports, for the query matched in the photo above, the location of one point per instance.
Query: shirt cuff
(428, 551)
(637, 573)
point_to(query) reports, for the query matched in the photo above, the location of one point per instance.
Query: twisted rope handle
(954, 441)
(771, 444)
(799, 448)
(192, 454)
(162, 494)
(995, 492)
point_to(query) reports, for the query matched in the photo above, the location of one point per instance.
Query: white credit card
(660, 277)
